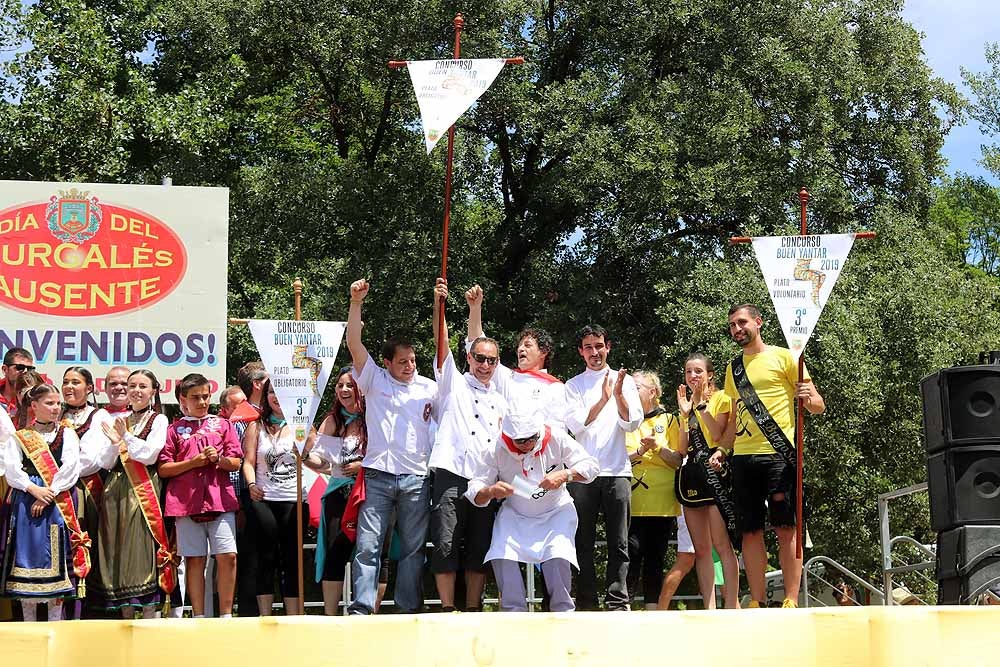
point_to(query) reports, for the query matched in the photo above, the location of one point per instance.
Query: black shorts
(756, 479)
(460, 531)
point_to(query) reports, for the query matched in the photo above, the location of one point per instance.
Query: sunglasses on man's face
(480, 358)
(524, 441)
(20, 368)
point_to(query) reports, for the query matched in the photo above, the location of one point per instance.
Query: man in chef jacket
(530, 468)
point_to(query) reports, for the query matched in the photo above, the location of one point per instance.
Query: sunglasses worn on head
(524, 441)
(480, 358)
(20, 368)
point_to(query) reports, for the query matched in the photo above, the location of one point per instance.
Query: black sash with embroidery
(697, 478)
(758, 411)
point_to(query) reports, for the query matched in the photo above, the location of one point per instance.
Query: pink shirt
(204, 489)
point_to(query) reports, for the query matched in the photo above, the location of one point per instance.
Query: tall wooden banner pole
(297, 286)
(800, 406)
(458, 23)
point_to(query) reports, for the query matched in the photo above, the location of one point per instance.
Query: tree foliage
(985, 109)
(598, 181)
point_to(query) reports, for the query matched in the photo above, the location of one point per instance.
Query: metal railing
(815, 568)
(889, 568)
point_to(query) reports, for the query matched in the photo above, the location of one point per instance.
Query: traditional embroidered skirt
(124, 567)
(37, 561)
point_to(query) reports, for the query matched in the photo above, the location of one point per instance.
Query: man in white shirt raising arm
(469, 428)
(399, 405)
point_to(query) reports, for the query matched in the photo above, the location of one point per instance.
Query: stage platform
(877, 636)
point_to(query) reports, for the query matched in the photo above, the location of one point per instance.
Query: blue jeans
(409, 496)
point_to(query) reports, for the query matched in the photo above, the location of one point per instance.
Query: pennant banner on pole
(299, 356)
(445, 89)
(800, 272)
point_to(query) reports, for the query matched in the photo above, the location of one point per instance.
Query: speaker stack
(962, 438)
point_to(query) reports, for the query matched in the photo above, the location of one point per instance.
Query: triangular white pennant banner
(299, 356)
(446, 88)
(800, 272)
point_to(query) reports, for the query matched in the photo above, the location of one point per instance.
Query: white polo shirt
(398, 416)
(603, 438)
(470, 420)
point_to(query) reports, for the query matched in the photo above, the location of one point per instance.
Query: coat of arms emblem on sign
(73, 216)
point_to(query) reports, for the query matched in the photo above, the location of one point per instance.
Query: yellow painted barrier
(859, 636)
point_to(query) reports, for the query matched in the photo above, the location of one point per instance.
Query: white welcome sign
(299, 356)
(800, 272)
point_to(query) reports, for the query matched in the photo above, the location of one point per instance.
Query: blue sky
(955, 35)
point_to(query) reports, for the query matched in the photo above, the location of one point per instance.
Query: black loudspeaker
(961, 407)
(964, 486)
(968, 563)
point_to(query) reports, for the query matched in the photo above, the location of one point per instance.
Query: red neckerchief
(540, 375)
(507, 440)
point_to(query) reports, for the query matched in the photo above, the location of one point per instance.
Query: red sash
(37, 450)
(142, 486)
(145, 493)
(95, 486)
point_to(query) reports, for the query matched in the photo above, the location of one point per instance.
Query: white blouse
(68, 471)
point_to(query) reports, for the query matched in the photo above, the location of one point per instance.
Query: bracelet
(701, 406)
(251, 484)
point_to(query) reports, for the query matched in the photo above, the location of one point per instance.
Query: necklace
(73, 413)
(137, 420)
(44, 427)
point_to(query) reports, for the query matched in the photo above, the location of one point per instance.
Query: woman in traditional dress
(80, 413)
(134, 567)
(269, 467)
(339, 450)
(706, 493)
(46, 554)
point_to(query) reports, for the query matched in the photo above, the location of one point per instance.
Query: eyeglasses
(524, 441)
(20, 368)
(480, 358)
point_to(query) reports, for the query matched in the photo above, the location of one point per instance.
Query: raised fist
(359, 290)
(474, 296)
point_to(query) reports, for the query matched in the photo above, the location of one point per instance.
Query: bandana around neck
(348, 415)
(536, 451)
(540, 375)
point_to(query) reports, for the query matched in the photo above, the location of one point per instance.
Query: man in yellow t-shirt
(763, 480)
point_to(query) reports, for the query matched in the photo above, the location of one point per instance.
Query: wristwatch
(701, 406)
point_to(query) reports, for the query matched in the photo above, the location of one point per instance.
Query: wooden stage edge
(876, 636)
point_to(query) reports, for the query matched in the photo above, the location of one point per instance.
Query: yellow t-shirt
(718, 404)
(773, 374)
(653, 480)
